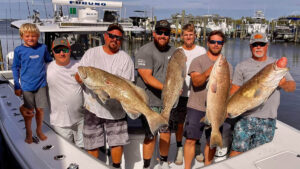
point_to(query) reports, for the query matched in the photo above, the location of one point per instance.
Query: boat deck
(282, 152)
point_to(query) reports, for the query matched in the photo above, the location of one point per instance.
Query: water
(235, 50)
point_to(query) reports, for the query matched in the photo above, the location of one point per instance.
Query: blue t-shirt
(29, 66)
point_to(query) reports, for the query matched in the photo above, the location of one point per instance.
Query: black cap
(163, 24)
(115, 26)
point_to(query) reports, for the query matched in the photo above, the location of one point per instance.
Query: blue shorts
(250, 132)
(193, 128)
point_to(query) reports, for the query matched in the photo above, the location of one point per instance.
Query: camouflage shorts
(250, 132)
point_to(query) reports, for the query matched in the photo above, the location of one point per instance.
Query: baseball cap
(60, 42)
(163, 24)
(115, 26)
(258, 37)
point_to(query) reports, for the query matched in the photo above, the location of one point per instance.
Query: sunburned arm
(234, 88)
(150, 80)
(287, 86)
(198, 79)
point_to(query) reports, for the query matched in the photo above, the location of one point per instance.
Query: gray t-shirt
(198, 95)
(245, 71)
(149, 57)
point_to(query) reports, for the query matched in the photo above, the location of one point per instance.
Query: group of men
(94, 123)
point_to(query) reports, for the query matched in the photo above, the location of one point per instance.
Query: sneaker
(164, 165)
(179, 156)
(200, 157)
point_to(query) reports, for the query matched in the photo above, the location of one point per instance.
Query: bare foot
(28, 138)
(41, 135)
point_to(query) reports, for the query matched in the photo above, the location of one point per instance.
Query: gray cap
(258, 37)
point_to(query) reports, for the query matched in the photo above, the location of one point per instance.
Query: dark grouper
(132, 98)
(217, 95)
(258, 89)
(176, 73)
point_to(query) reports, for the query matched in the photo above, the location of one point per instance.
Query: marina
(85, 32)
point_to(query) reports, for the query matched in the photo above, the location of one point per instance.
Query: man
(151, 63)
(65, 93)
(107, 120)
(191, 50)
(257, 126)
(199, 71)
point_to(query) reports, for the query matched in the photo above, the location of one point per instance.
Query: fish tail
(216, 139)
(155, 121)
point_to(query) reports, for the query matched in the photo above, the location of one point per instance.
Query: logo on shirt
(141, 62)
(34, 56)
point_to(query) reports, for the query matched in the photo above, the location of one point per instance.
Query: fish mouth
(82, 73)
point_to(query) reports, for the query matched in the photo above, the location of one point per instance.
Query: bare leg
(164, 143)
(28, 115)
(94, 152)
(234, 153)
(209, 154)
(189, 152)
(39, 123)
(148, 148)
(116, 154)
(179, 132)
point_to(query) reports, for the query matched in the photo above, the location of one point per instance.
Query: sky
(163, 9)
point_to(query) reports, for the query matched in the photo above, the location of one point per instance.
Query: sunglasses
(111, 36)
(261, 44)
(216, 41)
(64, 50)
(159, 32)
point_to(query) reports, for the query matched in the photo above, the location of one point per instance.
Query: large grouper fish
(133, 99)
(217, 96)
(257, 89)
(173, 84)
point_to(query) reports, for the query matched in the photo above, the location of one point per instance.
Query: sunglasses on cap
(159, 32)
(216, 41)
(58, 50)
(261, 44)
(111, 36)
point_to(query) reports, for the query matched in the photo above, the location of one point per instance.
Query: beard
(113, 46)
(215, 53)
(258, 55)
(162, 48)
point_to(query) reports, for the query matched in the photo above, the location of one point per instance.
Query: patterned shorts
(250, 132)
(96, 129)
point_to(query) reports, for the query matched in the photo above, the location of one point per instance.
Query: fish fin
(205, 120)
(216, 139)
(251, 93)
(133, 114)
(102, 95)
(213, 87)
(155, 121)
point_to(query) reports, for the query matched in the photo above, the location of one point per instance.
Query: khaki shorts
(97, 130)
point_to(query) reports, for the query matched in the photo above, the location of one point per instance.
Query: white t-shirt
(190, 54)
(119, 64)
(65, 94)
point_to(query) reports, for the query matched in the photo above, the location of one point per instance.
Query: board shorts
(97, 130)
(250, 132)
